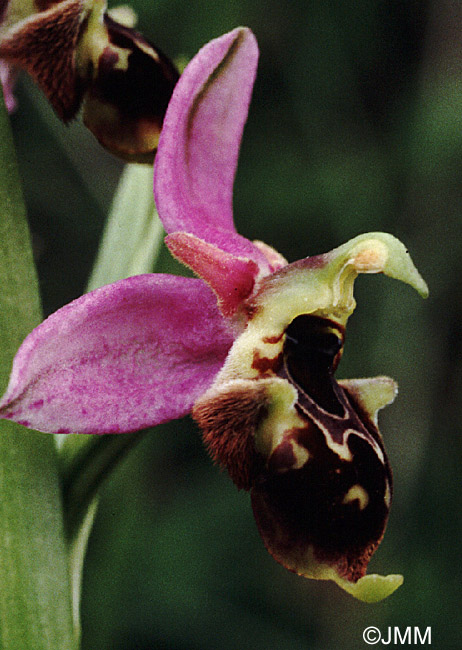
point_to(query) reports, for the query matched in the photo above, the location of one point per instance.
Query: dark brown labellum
(328, 484)
(336, 506)
(3, 5)
(228, 420)
(312, 349)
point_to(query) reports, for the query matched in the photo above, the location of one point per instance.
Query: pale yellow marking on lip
(301, 455)
(150, 51)
(281, 418)
(123, 54)
(387, 497)
(357, 493)
(340, 449)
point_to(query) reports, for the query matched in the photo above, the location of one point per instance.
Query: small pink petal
(274, 258)
(124, 357)
(231, 278)
(199, 146)
(7, 77)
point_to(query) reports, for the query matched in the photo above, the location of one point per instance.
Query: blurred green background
(355, 126)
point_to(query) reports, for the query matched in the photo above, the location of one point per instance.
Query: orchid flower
(81, 54)
(249, 348)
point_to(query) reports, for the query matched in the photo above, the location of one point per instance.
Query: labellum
(327, 484)
(305, 445)
(316, 467)
(79, 55)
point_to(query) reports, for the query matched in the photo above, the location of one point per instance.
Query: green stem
(35, 599)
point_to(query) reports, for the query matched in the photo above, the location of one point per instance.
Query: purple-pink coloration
(124, 357)
(7, 77)
(200, 142)
(251, 347)
(143, 350)
(36, 405)
(232, 278)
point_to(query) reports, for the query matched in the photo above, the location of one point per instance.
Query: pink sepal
(199, 145)
(124, 357)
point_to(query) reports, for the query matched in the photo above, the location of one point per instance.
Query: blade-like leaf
(133, 233)
(35, 606)
(130, 246)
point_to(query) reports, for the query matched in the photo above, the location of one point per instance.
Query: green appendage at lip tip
(371, 588)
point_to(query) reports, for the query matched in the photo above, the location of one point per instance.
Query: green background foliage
(355, 126)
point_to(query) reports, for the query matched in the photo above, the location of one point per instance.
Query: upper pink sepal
(124, 357)
(231, 278)
(199, 145)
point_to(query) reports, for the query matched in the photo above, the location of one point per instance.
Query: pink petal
(199, 145)
(232, 278)
(7, 77)
(275, 260)
(124, 357)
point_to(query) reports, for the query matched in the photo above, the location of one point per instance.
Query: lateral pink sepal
(122, 358)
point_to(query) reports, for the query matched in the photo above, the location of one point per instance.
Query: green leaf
(133, 233)
(85, 462)
(130, 246)
(35, 606)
